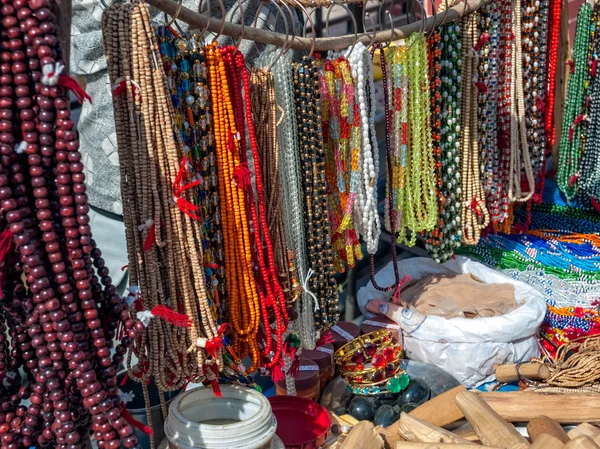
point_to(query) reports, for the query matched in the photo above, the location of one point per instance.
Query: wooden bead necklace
(474, 214)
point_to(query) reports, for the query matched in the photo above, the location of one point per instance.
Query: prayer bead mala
(165, 256)
(474, 214)
(62, 324)
(568, 163)
(318, 240)
(185, 66)
(520, 159)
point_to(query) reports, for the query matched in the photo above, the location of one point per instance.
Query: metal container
(137, 408)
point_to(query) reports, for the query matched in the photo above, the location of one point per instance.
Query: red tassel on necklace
(167, 314)
(403, 281)
(138, 425)
(150, 238)
(69, 83)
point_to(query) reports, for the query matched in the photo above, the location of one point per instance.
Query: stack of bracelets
(371, 364)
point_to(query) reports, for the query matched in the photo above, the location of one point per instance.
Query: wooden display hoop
(200, 21)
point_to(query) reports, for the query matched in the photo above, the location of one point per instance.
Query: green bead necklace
(571, 137)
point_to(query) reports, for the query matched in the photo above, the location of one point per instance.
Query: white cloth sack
(468, 349)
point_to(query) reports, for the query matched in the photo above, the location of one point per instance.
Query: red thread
(327, 337)
(150, 238)
(540, 105)
(277, 373)
(124, 380)
(475, 206)
(69, 83)
(403, 281)
(167, 314)
(481, 87)
(124, 267)
(178, 188)
(213, 345)
(216, 389)
(573, 179)
(571, 65)
(595, 204)
(482, 40)
(571, 132)
(594, 66)
(242, 176)
(138, 425)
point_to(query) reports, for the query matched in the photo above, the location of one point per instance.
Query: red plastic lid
(378, 323)
(344, 332)
(301, 423)
(323, 358)
(308, 376)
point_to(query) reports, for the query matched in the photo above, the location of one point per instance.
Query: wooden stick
(419, 431)
(586, 429)
(491, 428)
(200, 21)
(411, 445)
(440, 411)
(467, 432)
(363, 436)
(523, 406)
(581, 442)
(512, 373)
(547, 441)
(542, 425)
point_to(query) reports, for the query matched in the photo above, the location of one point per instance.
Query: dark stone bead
(363, 407)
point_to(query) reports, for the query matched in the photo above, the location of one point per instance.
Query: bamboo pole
(200, 21)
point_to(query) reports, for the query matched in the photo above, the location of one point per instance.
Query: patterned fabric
(96, 123)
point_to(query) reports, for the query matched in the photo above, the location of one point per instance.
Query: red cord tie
(482, 40)
(120, 87)
(167, 314)
(573, 179)
(576, 122)
(51, 76)
(242, 176)
(540, 105)
(149, 226)
(211, 346)
(481, 87)
(178, 188)
(475, 206)
(212, 374)
(403, 281)
(132, 422)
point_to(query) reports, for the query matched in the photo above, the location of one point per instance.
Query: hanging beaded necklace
(554, 13)
(448, 237)
(588, 183)
(291, 184)
(244, 303)
(318, 241)
(185, 65)
(341, 144)
(488, 49)
(534, 36)
(271, 299)
(474, 214)
(520, 159)
(570, 141)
